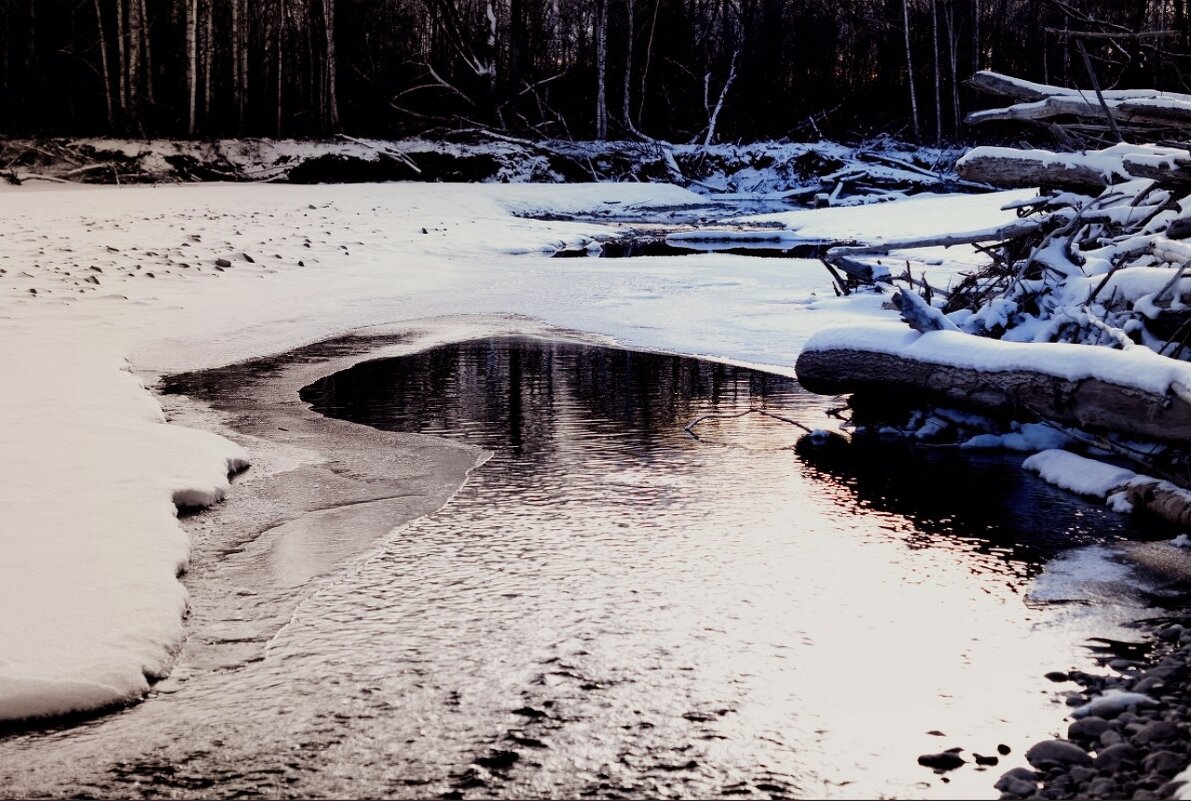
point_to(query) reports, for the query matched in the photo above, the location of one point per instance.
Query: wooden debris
(1090, 404)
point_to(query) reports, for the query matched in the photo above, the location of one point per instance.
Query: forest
(679, 70)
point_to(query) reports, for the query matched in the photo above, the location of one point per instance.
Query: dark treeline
(672, 69)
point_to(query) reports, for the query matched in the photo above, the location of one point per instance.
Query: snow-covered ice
(169, 278)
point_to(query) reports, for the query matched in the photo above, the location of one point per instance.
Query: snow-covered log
(1091, 403)
(1088, 172)
(1160, 498)
(1144, 110)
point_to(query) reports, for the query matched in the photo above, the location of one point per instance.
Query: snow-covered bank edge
(98, 428)
(818, 173)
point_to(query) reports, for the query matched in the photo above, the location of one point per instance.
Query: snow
(1111, 162)
(1139, 368)
(1112, 703)
(1078, 474)
(1028, 438)
(95, 279)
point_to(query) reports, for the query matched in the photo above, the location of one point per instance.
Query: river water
(612, 607)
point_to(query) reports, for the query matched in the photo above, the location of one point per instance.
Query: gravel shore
(1130, 733)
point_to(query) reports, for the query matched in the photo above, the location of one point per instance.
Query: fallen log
(1088, 172)
(1142, 111)
(995, 233)
(1160, 498)
(1090, 404)
(997, 83)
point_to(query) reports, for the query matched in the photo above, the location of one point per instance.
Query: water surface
(613, 608)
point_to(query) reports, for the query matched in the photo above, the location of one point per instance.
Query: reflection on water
(611, 608)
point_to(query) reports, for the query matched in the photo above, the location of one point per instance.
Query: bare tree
(628, 63)
(714, 114)
(136, 37)
(103, 61)
(331, 93)
(146, 44)
(121, 58)
(934, 25)
(910, 71)
(601, 36)
(952, 59)
(191, 63)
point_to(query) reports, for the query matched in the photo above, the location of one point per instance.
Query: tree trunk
(601, 43)
(191, 62)
(628, 63)
(121, 58)
(331, 95)
(135, 38)
(208, 48)
(910, 71)
(715, 114)
(244, 86)
(653, 26)
(977, 54)
(278, 47)
(952, 58)
(146, 44)
(103, 62)
(934, 25)
(237, 96)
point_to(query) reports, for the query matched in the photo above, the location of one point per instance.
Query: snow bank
(92, 473)
(1078, 474)
(1139, 368)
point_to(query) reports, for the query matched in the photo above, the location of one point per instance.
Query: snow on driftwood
(1080, 315)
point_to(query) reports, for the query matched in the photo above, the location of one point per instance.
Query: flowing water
(612, 607)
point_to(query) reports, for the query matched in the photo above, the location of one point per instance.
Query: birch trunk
(628, 64)
(103, 62)
(910, 72)
(601, 33)
(121, 58)
(146, 43)
(331, 96)
(191, 65)
(934, 25)
(280, 37)
(135, 39)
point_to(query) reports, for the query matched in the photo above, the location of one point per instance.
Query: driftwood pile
(1099, 256)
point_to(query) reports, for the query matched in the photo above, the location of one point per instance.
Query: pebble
(1171, 633)
(947, 760)
(1112, 757)
(1088, 728)
(1111, 737)
(1017, 775)
(1158, 730)
(1166, 763)
(1148, 684)
(1060, 752)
